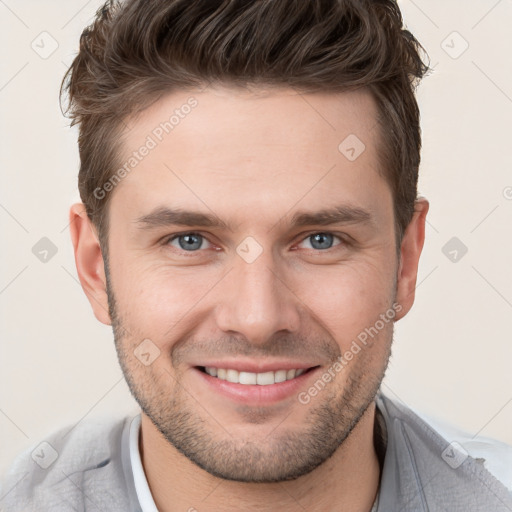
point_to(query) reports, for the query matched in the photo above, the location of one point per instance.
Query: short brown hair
(138, 50)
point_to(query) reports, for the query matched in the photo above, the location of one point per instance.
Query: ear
(89, 261)
(412, 244)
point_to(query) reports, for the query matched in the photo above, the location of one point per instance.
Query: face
(248, 255)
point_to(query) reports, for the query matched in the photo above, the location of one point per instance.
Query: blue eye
(321, 241)
(188, 241)
(194, 242)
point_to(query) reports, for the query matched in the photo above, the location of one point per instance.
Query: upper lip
(257, 366)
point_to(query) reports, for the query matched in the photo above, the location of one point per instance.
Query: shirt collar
(146, 501)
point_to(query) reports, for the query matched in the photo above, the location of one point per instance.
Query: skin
(253, 159)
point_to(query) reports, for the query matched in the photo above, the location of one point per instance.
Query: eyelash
(343, 241)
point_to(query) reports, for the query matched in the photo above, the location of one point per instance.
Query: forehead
(273, 116)
(258, 148)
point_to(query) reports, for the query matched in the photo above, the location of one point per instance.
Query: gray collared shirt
(422, 471)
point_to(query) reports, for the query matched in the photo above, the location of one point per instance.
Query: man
(251, 229)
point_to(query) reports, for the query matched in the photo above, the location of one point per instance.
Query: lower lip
(256, 394)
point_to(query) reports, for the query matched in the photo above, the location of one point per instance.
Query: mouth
(262, 388)
(250, 378)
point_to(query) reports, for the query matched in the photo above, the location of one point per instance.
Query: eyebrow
(343, 214)
(163, 216)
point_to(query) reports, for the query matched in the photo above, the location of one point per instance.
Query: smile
(249, 378)
(266, 384)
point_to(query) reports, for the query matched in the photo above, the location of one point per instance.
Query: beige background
(453, 352)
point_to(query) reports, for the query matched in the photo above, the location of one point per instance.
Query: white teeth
(280, 376)
(262, 379)
(247, 378)
(290, 374)
(232, 376)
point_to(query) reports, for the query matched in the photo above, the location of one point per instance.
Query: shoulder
(449, 455)
(496, 456)
(56, 469)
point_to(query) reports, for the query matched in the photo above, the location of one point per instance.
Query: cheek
(152, 299)
(348, 299)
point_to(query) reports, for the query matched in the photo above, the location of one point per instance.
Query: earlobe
(89, 261)
(411, 247)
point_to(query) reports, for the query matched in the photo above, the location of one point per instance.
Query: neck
(349, 478)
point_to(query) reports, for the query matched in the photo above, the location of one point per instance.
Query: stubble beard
(283, 455)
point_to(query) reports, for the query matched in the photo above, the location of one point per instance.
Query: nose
(256, 301)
